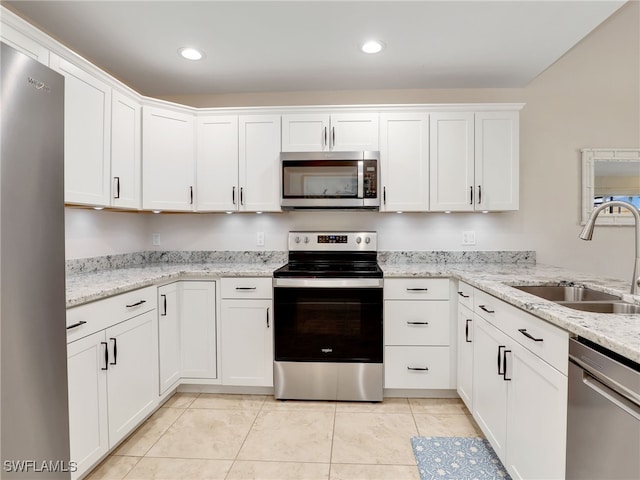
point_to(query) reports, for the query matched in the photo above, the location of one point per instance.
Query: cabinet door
(353, 132)
(126, 127)
(305, 133)
(168, 159)
(259, 164)
(198, 329)
(465, 356)
(88, 421)
(451, 162)
(168, 336)
(247, 343)
(217, 164)
(537, 417)
(490, 387)
(24, 44)
(87, 129)
(404, 159)
(132, 377)
(497, 160)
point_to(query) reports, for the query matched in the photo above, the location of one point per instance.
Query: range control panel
(333, 241)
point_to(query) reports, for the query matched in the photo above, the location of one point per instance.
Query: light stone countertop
(618, 332)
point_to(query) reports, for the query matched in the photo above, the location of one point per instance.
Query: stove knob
(367, 240)
(358, 240)
(297, 239)
(306, 239)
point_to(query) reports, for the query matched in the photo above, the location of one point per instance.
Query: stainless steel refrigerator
(34, 422)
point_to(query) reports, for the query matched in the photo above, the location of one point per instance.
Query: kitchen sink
(603, 307)
(561, 293)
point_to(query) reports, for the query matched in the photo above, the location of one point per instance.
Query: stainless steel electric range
(328, 318)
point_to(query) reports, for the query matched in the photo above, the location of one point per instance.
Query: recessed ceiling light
(191, 53)
(372, 46)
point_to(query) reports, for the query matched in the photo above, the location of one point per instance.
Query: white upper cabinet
(404, 159)
(24, 44)
(451, 161)
(340, 132)
(168, 159)
(259, 163)
(126, 127)
(497, 160)
(474, 161)
(217, 164)
(87, 130)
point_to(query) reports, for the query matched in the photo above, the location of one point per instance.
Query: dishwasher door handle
(614, 397)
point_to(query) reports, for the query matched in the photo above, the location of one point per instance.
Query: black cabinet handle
(500, 347)
(164, 313)
(115, 351)
(471, 195)
(529, 336)
(504, 374)
(384, 195)
(324, 140)
(479, 194)
(117, 180)
(463, 295)
(268, 318)
(484, 307)
(466, 331)
(106, 355)
(190, 195)
(420, 369)
(245, 288)
(417, 289)
(333, 137)
(233, 194)
(417, 323)
(136, 304)
(81, 322)
(241, 196)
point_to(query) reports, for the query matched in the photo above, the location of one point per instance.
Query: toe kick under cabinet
(417, 334)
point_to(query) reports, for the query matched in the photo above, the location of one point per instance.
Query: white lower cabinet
(113, 385)
(417, 333)
(519, 388)
(247, 332)
(187, 332)
(465, 355)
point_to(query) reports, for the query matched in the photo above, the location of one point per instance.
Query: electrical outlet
(260, 239)
(155, 239)
(468, 237)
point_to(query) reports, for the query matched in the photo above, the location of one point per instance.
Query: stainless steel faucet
(587, 234)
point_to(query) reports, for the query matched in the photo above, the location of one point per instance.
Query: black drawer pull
(421, 369)
(81, 322)
(417, 289)
(417, 323)
(483, 307)
(528, 335)
(245, 288)
(463, 295)
(136, 304)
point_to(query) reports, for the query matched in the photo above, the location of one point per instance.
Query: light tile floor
(242, 437)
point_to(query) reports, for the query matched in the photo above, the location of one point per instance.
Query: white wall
(590, 98)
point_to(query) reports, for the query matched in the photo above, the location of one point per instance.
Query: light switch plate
(468, 237)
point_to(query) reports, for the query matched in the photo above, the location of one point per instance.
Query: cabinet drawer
(465, 295)
(91, 317)
(417, 367)
(246, 287)
(416, 323)
(416, 289)
(547, 341)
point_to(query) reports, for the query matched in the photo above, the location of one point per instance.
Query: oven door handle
(328, 282)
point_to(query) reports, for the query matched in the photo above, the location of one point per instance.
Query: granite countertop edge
(618, 332)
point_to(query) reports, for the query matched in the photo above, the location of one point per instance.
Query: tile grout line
(333, 434)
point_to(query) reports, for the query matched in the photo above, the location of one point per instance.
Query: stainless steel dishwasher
(603, 419)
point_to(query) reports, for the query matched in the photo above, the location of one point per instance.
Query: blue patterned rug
(457, 458)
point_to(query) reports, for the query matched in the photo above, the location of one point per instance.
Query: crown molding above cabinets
(129, 152)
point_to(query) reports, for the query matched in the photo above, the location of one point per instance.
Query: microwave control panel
(370, 179)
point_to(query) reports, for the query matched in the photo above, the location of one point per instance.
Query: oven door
(328, 320)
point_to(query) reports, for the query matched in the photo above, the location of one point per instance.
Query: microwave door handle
(360, 178)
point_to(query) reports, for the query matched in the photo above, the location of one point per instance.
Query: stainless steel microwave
(330, 180)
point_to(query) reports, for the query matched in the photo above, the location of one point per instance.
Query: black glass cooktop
(342, 265)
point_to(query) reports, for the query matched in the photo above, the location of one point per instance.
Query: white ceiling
(266, 46)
